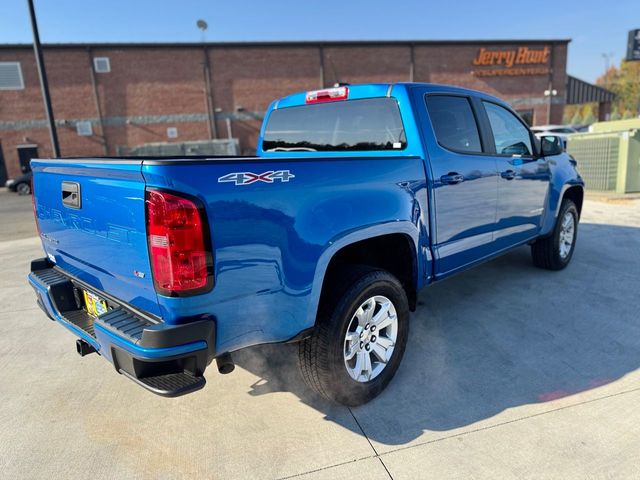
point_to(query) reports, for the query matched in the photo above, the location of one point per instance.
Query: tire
(322, 356)
(552, 252)
(23, 188)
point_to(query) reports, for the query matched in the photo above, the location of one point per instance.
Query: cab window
(454, 123)
(352, 125)
(511, 137)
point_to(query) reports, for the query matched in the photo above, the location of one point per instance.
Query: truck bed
(271, 237)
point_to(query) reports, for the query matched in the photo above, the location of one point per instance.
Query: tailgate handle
(71, 194)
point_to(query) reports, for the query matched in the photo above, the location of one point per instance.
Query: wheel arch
(371, 247)
(573, 189)
(575, 193)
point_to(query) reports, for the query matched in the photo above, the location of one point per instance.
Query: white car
(561, 131)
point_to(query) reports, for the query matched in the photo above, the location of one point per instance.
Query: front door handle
(508, 174)
(452, 178)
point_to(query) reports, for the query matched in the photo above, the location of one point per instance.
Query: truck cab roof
(351, 120)
(373, 90)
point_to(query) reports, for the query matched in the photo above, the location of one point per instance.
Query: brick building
(109, 96)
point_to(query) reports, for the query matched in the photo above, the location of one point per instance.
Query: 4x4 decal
(246, 178)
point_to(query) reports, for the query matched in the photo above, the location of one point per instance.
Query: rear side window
(510, 135)
(352, 125)
(454, 123)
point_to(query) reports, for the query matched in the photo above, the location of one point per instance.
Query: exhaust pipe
(84, 348)
(225, 363)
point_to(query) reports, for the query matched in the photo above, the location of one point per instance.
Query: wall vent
(11, 76)
(84, 129)
(101, 65)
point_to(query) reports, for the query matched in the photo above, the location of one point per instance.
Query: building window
(526, 115)
(11, 76)
(101, 65)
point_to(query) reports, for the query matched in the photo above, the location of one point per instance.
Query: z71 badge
(246, 178)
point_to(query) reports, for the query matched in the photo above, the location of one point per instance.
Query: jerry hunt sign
(519, 61)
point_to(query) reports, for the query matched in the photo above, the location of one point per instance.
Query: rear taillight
(178, 240)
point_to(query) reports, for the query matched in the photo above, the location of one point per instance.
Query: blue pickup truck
(359, 196)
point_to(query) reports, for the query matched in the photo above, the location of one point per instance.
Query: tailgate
(91, 216)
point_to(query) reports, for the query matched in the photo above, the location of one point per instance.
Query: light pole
(44, 84)
(550, 93)
(607, 62)
(211, 115)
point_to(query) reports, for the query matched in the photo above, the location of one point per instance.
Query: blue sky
(596, 27)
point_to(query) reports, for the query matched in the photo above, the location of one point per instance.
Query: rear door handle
(452, 178)
(508, 174)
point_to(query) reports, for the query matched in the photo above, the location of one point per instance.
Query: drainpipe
(553, 47)
(229, 132)
(211, 115)
(321, 52)
(96, 98)
(412, 65)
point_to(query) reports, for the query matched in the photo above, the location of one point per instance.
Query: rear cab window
(454, 123)
(351, 125)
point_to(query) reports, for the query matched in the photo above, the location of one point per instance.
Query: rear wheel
(555, 252)
(359, 339)
(23, 188)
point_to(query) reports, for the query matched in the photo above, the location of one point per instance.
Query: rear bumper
(168, 360)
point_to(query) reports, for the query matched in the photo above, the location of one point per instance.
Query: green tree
(587, 114)
(577, 118)
(625, 83)
(615, 114)
(568, 113)
(627, 115)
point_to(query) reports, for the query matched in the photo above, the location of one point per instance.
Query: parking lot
(510, 372)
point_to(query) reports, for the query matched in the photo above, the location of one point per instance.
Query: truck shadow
(499, 336)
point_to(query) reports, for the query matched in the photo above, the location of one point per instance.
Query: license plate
(94, 304)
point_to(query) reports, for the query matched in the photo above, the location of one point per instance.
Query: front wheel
(555, 252)
(359, 338)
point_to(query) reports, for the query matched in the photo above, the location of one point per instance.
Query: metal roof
(579, 91)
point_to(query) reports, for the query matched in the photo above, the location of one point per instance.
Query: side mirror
(551, 145)
(519, 148)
